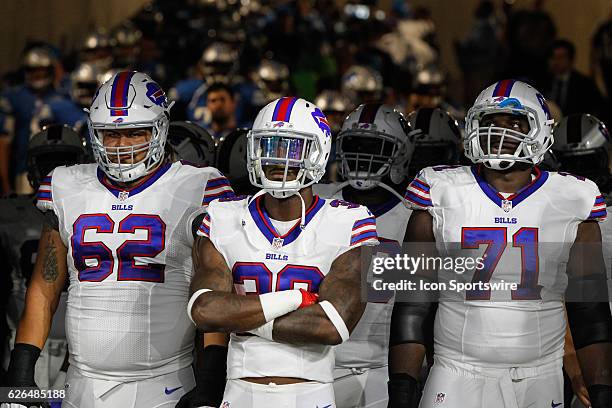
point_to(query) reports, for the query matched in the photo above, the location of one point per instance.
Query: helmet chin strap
(376, 184)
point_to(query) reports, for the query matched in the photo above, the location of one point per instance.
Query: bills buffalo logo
(156, 94)
(278, 124)
(321, 120)
(118, 120)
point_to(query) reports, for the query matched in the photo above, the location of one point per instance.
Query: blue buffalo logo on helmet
(321, 121)
(156, 94)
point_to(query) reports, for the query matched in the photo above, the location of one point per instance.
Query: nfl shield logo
(225, 404)
(506, 205)
(277, 243)
(123, 195)
(439, 398)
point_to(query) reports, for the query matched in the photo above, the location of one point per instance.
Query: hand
(580, 390)
(308, 298)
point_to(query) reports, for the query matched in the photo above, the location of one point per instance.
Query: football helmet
(129, 100)
(292, 133)
(437, 139)
(38, 64)
(362, 83)
(218, 62)
(97, 49)
(336, 106)
(55, 145)
(483, 144)
(84, 83)
(126, 44)
(192, 143)
(272, 79)
(375, 142)
(581, 144)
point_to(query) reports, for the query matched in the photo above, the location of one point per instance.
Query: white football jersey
(526, 238)
(263, 261)
(368, 345)
(606, 238)
(129, 262)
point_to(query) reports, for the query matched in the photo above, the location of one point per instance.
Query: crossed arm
(221, 310)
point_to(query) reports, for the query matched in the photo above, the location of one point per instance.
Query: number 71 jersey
(524, 238)
(262, 261)
(129, 264)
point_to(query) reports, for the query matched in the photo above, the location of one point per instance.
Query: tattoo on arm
(50, 271)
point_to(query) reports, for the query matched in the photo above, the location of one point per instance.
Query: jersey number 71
(495, 238)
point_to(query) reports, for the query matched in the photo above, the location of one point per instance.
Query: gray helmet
(362, 82)
(437, 138)
(218, 62)
(126, 41)
(192, 143)
(581, 142)
(84, 82)
(55, 145)
(34, 61)
(97, 49)
(272, 79)
(336, 107)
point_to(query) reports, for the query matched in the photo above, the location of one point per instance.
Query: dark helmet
(55, 145)
(192, 143)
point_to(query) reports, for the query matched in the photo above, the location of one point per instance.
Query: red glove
(308, 298)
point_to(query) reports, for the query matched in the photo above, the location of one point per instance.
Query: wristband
(277, 304)
(264, 331)
(192, 300)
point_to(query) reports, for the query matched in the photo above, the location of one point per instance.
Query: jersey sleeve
(598, 211)
(204, 229)
(418, 192)
(217, 186)
(44, 195)
(364, 232)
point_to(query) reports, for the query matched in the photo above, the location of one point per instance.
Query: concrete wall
(60, 22)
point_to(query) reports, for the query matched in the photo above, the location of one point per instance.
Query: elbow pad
(588, 311)
(411, 323)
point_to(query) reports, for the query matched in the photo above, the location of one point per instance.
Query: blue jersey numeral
(496, 240)
(127, 269)
(290, 277)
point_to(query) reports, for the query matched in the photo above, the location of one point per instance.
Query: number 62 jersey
(129, 264)
(262, 261)
(524, 238)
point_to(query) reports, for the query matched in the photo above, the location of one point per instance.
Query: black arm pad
(600, 395)
(21, 368)
(195, 225)
(590, 323)
(588, 311)
(211, 375)
(409, 322)
(402, 390)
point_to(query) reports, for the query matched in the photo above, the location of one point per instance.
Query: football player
(374, 147)
(17, 107)
(298, 257)
(20, 227)
(121, 231)
(505, 347)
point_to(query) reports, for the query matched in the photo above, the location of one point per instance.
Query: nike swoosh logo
(171, 390)
(327, 406)
(553, 405)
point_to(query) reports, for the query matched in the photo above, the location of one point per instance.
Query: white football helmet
(129, 100)
(375, 142)
(484, 144)
(289, 132)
